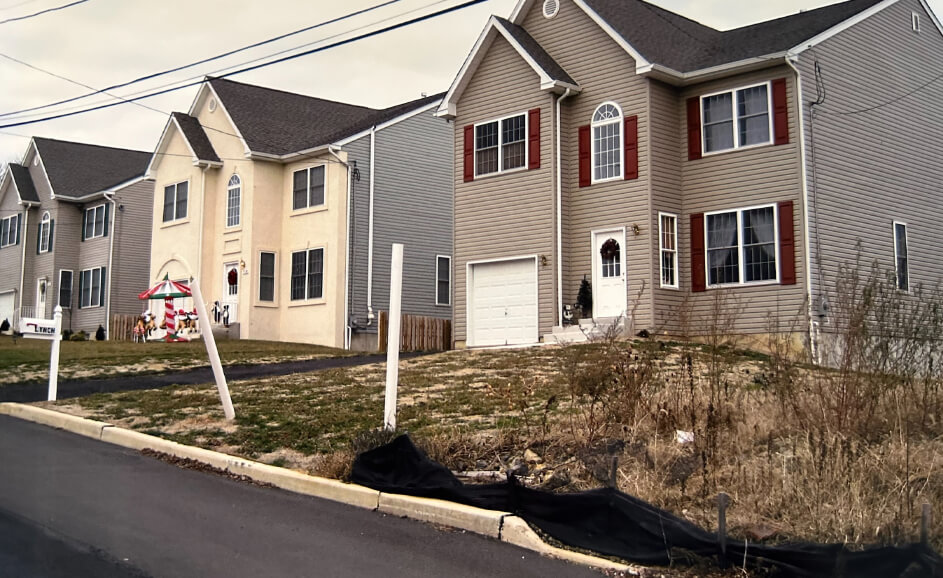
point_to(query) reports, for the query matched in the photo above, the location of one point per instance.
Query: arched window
(607, 142)
(45, 233)
(234, 202)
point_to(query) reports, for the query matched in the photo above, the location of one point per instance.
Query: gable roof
(196, 137)
(545, 63)
(76, 170)
(24, 183)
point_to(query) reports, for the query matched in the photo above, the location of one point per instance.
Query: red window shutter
(469, 153)
(780, 112)
(698, 278)
(533, 139)
(631, 148)
(585, 154)
(694, 128)
(787, 245)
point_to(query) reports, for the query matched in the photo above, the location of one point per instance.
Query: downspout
(813, 339)
(110, 197)
(559, 192)
(23, 258)
(373, 141)
(347, 330)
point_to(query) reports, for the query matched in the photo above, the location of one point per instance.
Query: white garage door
(503, 303)
(6, 307)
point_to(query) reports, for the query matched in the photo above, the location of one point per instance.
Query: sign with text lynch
(38, 328)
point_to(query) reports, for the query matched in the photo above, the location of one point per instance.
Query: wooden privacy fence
(418, 333)
(120, 327)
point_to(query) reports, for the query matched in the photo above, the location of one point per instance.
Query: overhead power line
(258, 66)
(41, 12)
(191, 65)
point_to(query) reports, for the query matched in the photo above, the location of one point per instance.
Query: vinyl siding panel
(509, 214)
(11, 256)
(130, 268)
(875, 167)
(359, 152)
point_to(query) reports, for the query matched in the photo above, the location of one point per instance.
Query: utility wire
(197, 63)
(41, 12)
(258, 66)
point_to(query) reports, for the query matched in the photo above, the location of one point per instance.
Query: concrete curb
(499, 525)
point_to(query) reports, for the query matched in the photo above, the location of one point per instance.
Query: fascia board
(448, 107)
(219, 106)
(640, 61)
(388, 123)
(155, 158)
(933, 16)
(842, 26)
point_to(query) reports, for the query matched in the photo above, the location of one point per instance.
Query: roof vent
(551, 7)
(212, 105)
(915, 21)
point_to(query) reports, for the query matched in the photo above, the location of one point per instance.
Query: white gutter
(373, 141)
(347, 335)
(110, 197)
(813, 342)
(559, 179)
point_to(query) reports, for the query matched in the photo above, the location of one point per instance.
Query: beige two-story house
(678, 168)
(285, 207)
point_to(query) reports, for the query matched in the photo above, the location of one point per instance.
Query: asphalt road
(72, 506)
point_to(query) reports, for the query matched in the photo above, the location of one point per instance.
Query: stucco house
(672, 164)
(285, 207)
(75, 232)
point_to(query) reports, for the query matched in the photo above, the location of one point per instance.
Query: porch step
(586, 330)
(230, 331)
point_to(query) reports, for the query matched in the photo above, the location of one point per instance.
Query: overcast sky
(105, 42)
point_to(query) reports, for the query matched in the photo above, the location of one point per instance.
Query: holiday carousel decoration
(167, 290)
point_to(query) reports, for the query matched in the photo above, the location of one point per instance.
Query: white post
(392, 343)
(207, 330)
(54, 355)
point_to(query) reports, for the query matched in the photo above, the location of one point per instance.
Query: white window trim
(308, 204)
(309, 300)
(45, 224)
(592, 143)
(229, 189)
(437, 257)
(13, 222)
(274, 300)
(742, 283)
(176, 217)
(501, 170)
(736, 122)
(101, 287)
(71, 287)
(93, 210)
(661, 249)
(896, 271)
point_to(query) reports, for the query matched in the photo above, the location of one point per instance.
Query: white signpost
(392, 343)
(49, 329)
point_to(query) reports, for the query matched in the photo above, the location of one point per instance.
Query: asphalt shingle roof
(672, 40)
(277, 122)
(76, 169)
(24, 183)
(196, 136)
(536, 51)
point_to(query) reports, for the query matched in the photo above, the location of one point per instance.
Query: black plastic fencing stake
(925, 524)
(614, 473)
(723, 500)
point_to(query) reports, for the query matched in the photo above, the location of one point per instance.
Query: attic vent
(36, 161)
(551, 7)
(212, 105)
(915, 21)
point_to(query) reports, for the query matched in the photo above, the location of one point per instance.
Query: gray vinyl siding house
(760, 224)
(59, 189)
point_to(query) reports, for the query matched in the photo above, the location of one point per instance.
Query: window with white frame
(95, 222)
(233, 201)
(175, 201)
(443, 280)
(742, 246)
(65, 288)
(45, 233)
(668, 249)
(900, 256)
(92, 287)
(9, 230)
(307, 274)
(267, 276)
(501, 145)
(737, 118)
(308, 188)
(607, 142)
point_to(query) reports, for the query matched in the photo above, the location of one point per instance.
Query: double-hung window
(92, 287)
(607, 142)
(175, 201)
(307, 274)
(267, 276)
(94, 222)
(900, 256)
(737, 118)
(742, 246)
(308, 188)
(9, 230)
(234, 201)
(668, 249)
(443, 280)
(501, 145)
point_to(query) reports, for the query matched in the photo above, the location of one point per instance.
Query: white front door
(609, 290)
(229, 304)
(42, 287)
